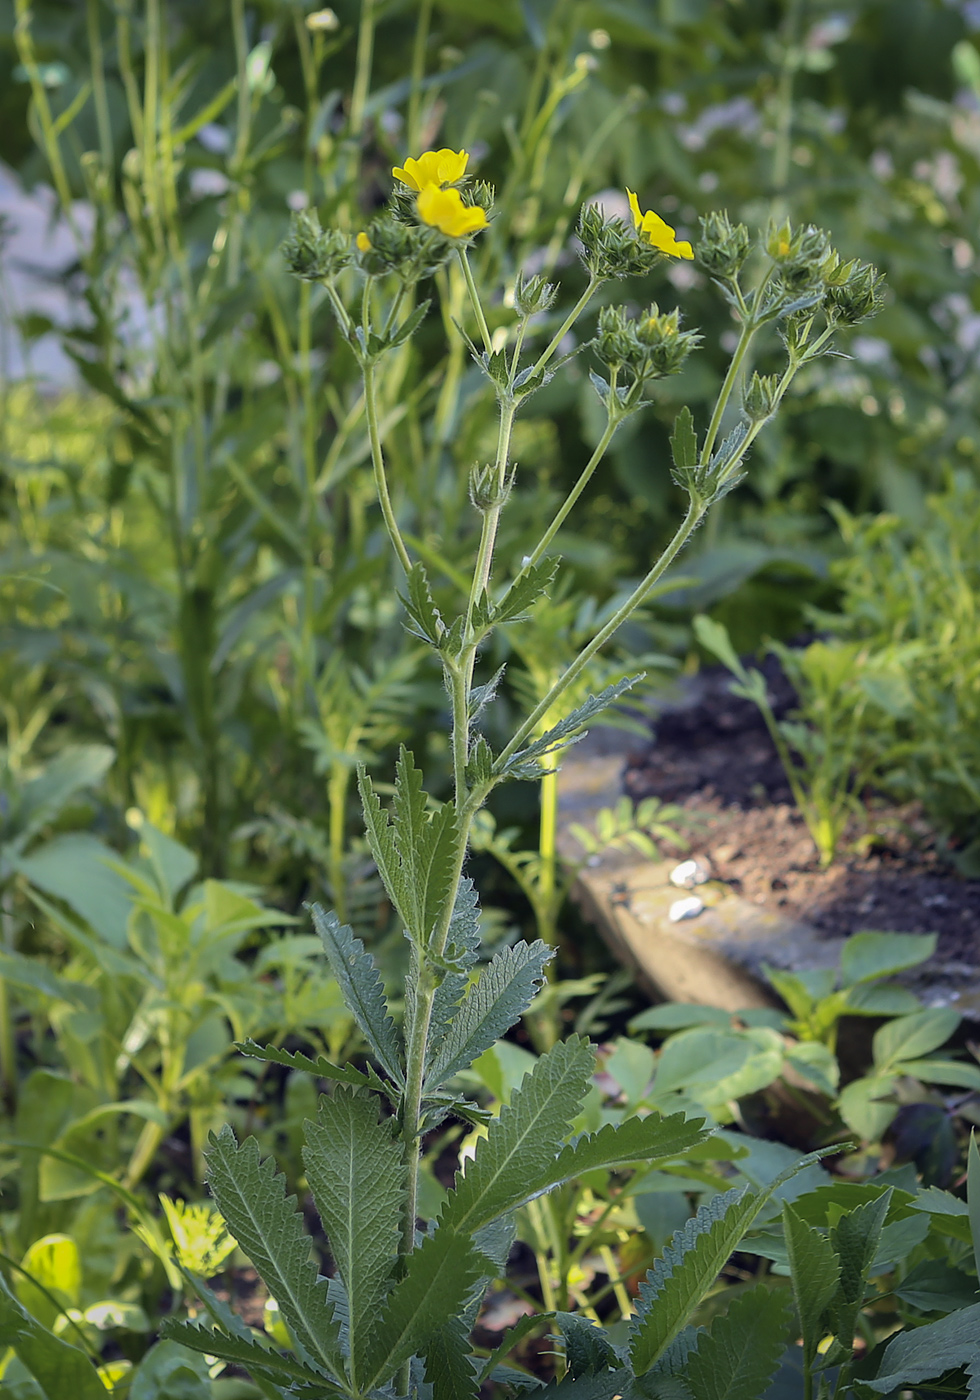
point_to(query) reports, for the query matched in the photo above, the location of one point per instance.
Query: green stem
(566, 325)
(145, 1150)
(692, 519)
(99, 93)
(749, 329)
(481, 319)
(362, 72)
(380, 480)
(413, 125)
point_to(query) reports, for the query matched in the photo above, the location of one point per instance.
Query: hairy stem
(380, 479)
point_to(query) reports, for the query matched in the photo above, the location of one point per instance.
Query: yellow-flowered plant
(437, 168)
(657, 232)
(445, 210)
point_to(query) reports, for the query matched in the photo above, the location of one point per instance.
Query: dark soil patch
(712, 755)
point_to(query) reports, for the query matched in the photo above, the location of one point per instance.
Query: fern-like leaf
(523, 1142)
(356, 1172)
(360, 983)
(507, 986)
(269, 1228)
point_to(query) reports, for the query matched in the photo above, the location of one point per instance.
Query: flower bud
(313, 253)
(410, 251)
(610, 249)
(534, 295)
(760, 397)
(859, 297)
(722, 248)
(799, 255)
(665, 345)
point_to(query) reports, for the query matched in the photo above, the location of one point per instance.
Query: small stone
(689, 873)
(723, 854)
(688, 908)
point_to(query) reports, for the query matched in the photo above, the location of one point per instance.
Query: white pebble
(688, 908)
(689, 873)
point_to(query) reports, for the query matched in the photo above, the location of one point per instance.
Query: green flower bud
(859, 297)
(799, 255)
(610, 249)
(410, 251)
(481, 193)
(665, 345)
(533, 296)
(722, 249)
(759, 398)
(313, 253)
(615, 344)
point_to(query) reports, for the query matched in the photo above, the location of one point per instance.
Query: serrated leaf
(815, 1270)
(356, 1171)
(323, 1069)
(855, 1240)
(731, 448)
(264, 1220)
(526, 589)
(565, 731)
(522, 1143)
(689, 1265)
(377, 827)
(587, 1348)
(408, 327)
(738, 1358)
(448, 1367)
(483, 695)
(608, 1385)
(684, 441)
(649, 1140)
(59, 1369)
(506, 988)
(249, 1353)
(438, 1277)
(462, 945)
(926, 1352)
(434, 865)
(420, 606)
(360, 983)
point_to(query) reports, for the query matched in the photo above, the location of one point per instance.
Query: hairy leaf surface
(448, 1367)
(507, 986)
(815, 1271)
(360, 983)
(521, 1145)
(357, 1175)
(244, 1351)
(737, 1359)
(648, 1140)
(265, 1222)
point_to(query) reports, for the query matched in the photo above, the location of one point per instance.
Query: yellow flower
(432, 168)
(658, 234)
(445, 210)
(363, 242)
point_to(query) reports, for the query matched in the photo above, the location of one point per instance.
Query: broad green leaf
(864, 1108)
(521, 1145)
(714, 637)
(678, 1016)
(356, 1171)
(815, 1271)
(817, 1064)
(869, 955)
(911, 1037)
(269, 1228)
(939, 1071)
(932, 1286)
(438, 1277)
(881, 999)
(78, 766)
(448, 1365)
(506, 988)
(55, 1264)
(173, 864)
(855, 1239)
(169, 1372)
(737, 1359)
(35, 975)
(59, 1369)
(926, 1352)
(684, 440)
(76, 868)
(607, 1385)
(897, 1241)
(247, 1352)
(361, 985)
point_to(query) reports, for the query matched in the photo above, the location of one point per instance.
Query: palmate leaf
(523, 1142)
(356, 1172)
(737, 1359)
(269, 1228)
(360, 983)
(815, 1270)
(247, 1352)
(507, 986)
(437, 1280)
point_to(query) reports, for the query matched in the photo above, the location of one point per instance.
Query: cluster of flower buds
(409, 250)
(722, 247)
(800, 256)
(649, 346)
(533, 295)
(855, 292)
(610, 249)
(313, 253)
(761, 397)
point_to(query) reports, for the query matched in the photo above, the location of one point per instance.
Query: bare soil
(712, 755)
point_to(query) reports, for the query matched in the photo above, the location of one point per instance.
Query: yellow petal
(363, 242)
(445, 210)
(438, 168)
(635, 208)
